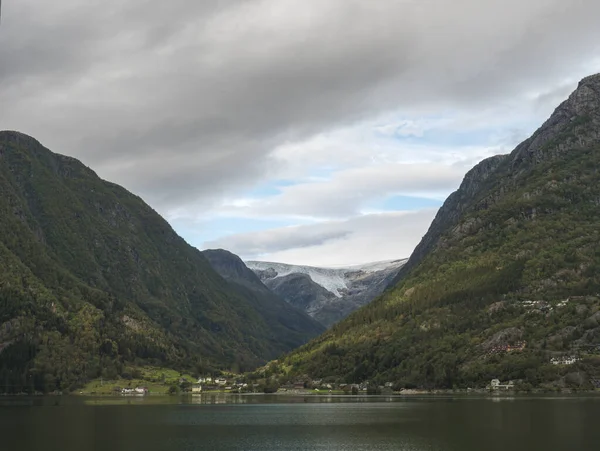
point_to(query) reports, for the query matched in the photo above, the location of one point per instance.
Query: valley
(503, 287)
(327, 294)
(505, 284)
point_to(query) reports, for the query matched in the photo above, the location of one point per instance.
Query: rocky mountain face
(327, 294)
(92, 279)
(506, 282)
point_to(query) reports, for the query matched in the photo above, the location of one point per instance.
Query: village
(237, 384)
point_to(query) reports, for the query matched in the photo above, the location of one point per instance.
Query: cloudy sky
(323, 132)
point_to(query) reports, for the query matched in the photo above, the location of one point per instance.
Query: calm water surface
(217, 422)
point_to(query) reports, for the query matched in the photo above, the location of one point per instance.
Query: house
(205, 380)
(196, 388)
(220, 381)
(564, 360)
(134, 391)
(495, 384)
(518, 346)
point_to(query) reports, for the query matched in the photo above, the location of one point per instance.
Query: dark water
(299, 423)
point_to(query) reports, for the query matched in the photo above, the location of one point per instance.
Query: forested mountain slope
(92, 278)
(506, 279)
(293, 325)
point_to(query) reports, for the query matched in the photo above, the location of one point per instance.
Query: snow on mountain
(332, 279)
(378, 266)
(327, 294)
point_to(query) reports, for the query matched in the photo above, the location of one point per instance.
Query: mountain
(327, 294)
(92, 279)
(506, 282)
(291, 324)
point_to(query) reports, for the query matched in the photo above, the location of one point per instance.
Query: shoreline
(483, 393)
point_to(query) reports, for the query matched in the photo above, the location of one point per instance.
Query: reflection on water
(246, 422)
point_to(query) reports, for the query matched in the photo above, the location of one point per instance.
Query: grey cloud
(148, 91)
(547, 101)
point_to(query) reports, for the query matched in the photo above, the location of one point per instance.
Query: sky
(320, 132)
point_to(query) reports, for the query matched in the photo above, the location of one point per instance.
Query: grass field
(157, 380)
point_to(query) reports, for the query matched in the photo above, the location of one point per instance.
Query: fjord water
(299, 423)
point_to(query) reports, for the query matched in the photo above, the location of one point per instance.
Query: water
(218, 422)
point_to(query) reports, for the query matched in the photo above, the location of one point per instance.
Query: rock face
(327, 294)
(506, 277)
(92, 280)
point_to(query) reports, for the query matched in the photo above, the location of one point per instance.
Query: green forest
(92, 280)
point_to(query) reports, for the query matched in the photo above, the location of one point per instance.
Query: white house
(196, 389)
(134, 391)
(220, 381)
(495, 384)
(564, 360)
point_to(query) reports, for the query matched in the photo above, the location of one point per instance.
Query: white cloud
(357, 240)
(346, 193)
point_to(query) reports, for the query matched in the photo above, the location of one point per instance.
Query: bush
(270, 388)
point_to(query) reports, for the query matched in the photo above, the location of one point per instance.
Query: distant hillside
(327, 294)
(506, 282)
(293, 325)
(92, 279)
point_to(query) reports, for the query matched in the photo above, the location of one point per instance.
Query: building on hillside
(495, 384)
(502, 348)
(135, 391)
(564, 360)
(196, 389)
